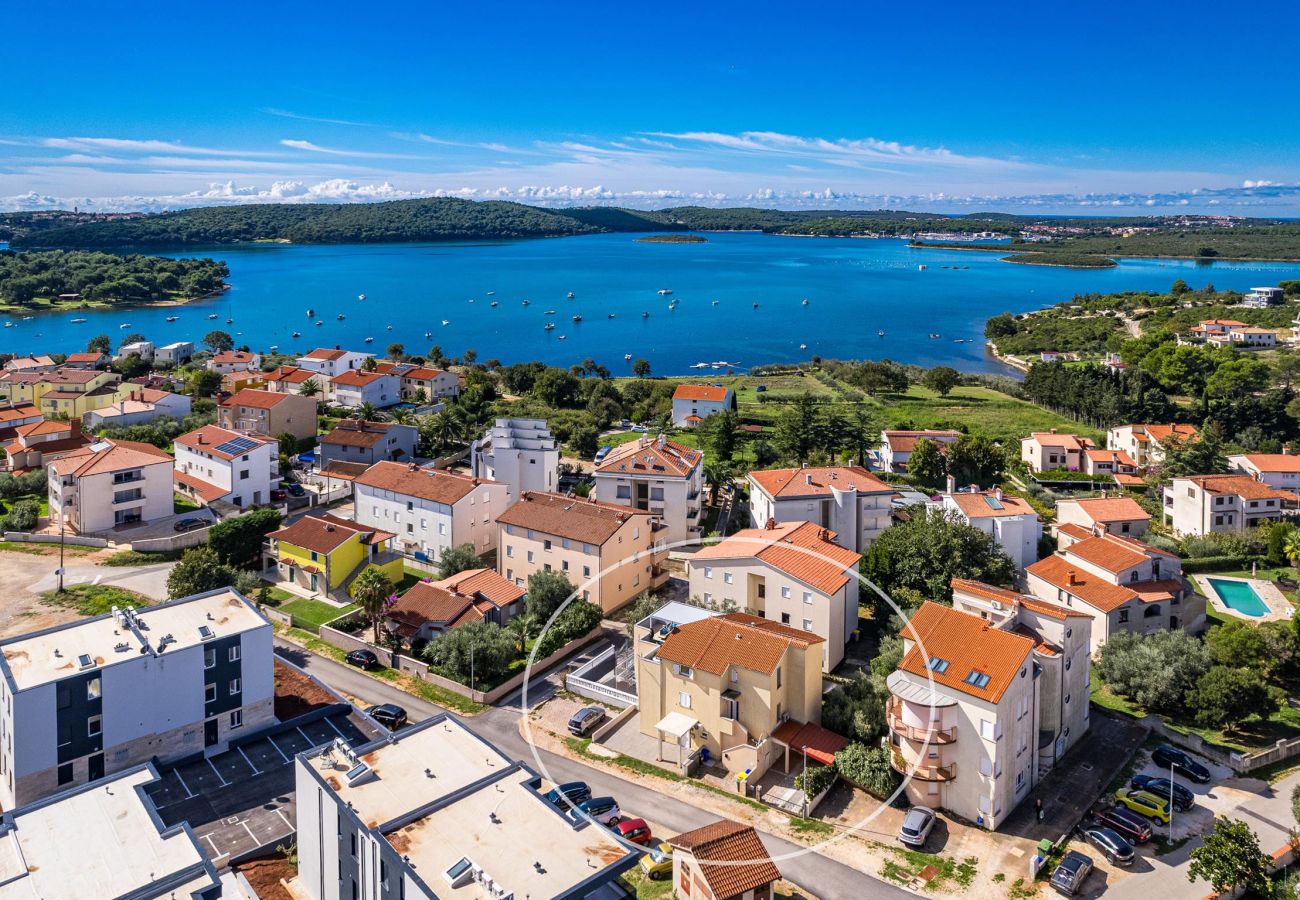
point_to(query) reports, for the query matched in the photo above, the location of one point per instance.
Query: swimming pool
(1239, 596)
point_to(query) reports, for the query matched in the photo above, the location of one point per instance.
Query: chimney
(1071, 578)
(74, 426)
(1286, 451)
(952, 484)
(661, 441)
(974, 488)
(770, 524)
(807, 478)
(1053, 431)
(998, 493)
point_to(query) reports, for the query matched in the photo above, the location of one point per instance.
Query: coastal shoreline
(102, 306)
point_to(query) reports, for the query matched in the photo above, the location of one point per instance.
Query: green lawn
(182, 504)
(136, 558)
(983, 411)
(94, 599)
(315, 612)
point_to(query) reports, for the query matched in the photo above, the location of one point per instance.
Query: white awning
(676, 724)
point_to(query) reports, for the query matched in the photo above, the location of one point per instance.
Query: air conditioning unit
(997, 604)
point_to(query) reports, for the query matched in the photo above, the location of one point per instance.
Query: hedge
(1203, 564)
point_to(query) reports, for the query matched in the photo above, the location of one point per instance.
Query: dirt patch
(296, 693)
(264, 874)
(22, 610)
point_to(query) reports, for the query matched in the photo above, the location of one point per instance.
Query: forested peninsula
(79, 279)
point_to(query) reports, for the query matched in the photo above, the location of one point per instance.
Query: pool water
(1239, 596)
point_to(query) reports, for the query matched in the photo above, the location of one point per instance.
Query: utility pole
(62, 526)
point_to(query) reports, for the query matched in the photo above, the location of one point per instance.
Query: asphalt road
(828, 879)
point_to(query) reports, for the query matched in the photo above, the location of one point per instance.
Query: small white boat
(881, 332)
(28, 318)
(77, 321)
(125, 325)
(577, 318)
(610, 316)
(549, 326)
(627, 356)
(230, 321)
(274, 347)
(755, 306)
(361, 296)
(341, 317)
(319, 322)
(526, 302)
(549, 312)
(9, 324)
(446, 322)
(296, 334)
(921, 267)
(428, 334)
(562, 337)
(805, 302)
(311, 313)
(370, 340)
(935, 337)
(699, 365)
(803, 346)
(172, 318)
(494, 303)
(664, 292)
(645, 315)
(570, 295)
(715, 302)
(491, 293)
(390, 327)
(213, 316)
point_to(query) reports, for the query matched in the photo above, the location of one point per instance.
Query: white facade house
(430, 510)
(1198, 505)
(1263, 297)
(355, 388)
(896, 446)
(100, 695)
(1145, 444)
(143, 349)
(213, 463)
(332, 363)
(848, 500)
(520, 453)
(693, 403)
(227, 361)
(1115, 515)
(1045, 451)
(176, 352)
(435, 811)
(137, 405)
(110, 484)
(1009, 520)
(1277, 470)
(658, 476)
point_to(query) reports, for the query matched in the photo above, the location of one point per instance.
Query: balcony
(893, 715)
(923, 773)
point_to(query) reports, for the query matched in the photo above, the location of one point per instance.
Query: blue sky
(1104, 107)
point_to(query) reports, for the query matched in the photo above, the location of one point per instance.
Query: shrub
(578, 618)
(856, 710)
(22, 516)
(1224, 697)
(868, 768)
(815, 779)
(1155, 671)
(481, 647)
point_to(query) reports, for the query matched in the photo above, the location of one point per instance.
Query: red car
(634, 830)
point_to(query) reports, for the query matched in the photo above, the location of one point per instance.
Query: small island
(59, 279)
(672, 239)
(1067, 260)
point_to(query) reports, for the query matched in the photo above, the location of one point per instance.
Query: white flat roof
(678, 613)
(46, 656)
(101, 841)
(905, 686)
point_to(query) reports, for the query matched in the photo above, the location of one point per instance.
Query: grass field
(182, 504)
(94, 599)
(315, 612)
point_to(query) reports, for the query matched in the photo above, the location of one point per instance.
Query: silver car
(916, 826)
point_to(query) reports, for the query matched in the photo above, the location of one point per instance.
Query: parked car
(1072, 872)
(601, 454)
(362, 659)
(189, 523)
(585, 720)
(603, 809)
(1166, 756)
(634, 830)
(294, 489)
(1132, 827)
(916, 826)
(1111, 845)
(568, 795)
(278, 494)
(390, 715)
(658, 862)
(1161, 787)
(1149, 805)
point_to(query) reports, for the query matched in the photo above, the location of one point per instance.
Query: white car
(916, 826)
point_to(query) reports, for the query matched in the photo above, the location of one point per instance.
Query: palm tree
(367, 412)
(1292, 548)
(444, 430)
(716, 474)
(401, 416)
(310, 388)
(520, 627)
(374, 592)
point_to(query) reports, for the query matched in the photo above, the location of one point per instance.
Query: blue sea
(855, 288)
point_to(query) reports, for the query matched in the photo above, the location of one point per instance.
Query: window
(564, 565)
(237, 719)
(64, 696)
(778, 682)
(977, 679)
(1123, 616)
(209, 657)
(232, 654)
(990, 730)
(807, 624)
(1020, 781)
(708, 571)
(785, 618)
(937, 665)
(510, 551)
(586, 571)
(684, 671)
(65, 773)
(243, 474)
(209, 693)
(530, 556)
(546, 544)
(708, 598)
(785, 593)
(94, 725)
(727, 578)
(684, 700)
(235, 686)
(807, 597)
(93, 688)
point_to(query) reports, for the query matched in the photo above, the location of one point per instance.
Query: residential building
(175, 353)
(726, 683)
(143, 349)
(93, 360)
(359, 441)
(226, 361)
(847, 500)
(421, 381)
(1209, 328)
(1112, 464)
(1010, 521)
(723, 860)
(38, 444)
(1263, 297)
(1116, 515)
(609, 553)
(269, 413)
(1146, 444)
(434, 811)
(136, 405)
(243, 379)
(357, 387)
(1277, 470)
(101, 695)
(215, 464)
(989, 695)
(294, 380)
(896, 446)
(429, 510)
(332, 363)
(693, 403)
(793, 573)
(431, 608)
(1046, 451)
(15, 415)
(322, 553)
(658, 476)
(62, 392)
(1246, 337)
(1197, 505)
(520, 453)
(109, 484)
(42, 363)
(103, 840)
(1123, 584)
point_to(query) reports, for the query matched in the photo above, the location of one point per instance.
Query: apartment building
(847, 500)
(1010, 521)
(693, 403)
(90, 360)
(1045, 451)
(332, 363)
(793, 573)
(37, 444)
(1145, 444)
(42, 363)
(357, 387)
(429, 510)
(723, 860)
(101, 695)
(227, 361)
(175, 353)
(896, 446)
(431, 608)
(216, 464)
(359, 441)
(520, 453)
(269, 413)
(609, 553)
(136, 405)
(14, 415)
(1121, 583)
(234, 382)
(64, 392)
(658, 476)
(143, 349)
(323, 553)
(1114, 464)
(1204, 504)
(1114, 515)
(421, 381)
(293, 380)
(109, 484)
(1277, 470)
(435, 811)
(989, 695)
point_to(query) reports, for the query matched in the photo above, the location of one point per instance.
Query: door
(210, 732)
(313, 582)
(96, 767)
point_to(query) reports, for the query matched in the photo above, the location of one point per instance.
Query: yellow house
(63, 392)
(234, 382)
(323, 553)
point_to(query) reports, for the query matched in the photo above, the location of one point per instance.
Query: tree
(930, 549)
(1001, 325)
(1155, 671)
(1293, 548)
(374, 592)
(926, 464)
(199, 570)
(855, 711)
(396, 351)
(24, 515)
(577, 619)
(941, 380)
(472, 652)
(367, 412)
(458, 559)
(641, 367)
(309, 388)
(521, 628)
(101, 343)
(237, 541)
(797, 429)
(1226, 696)
(722, 434)
(203, 383)
(716, 474)
(584, 440)
(974, 459)
(1239, 377)
(134, 337)
(1230, 858)
(218, 341)
(368, 364)
(868, 768)
(546, 591)
(1201, 455)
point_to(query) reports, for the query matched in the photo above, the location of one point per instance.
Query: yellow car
(1144, 802)
(658, 862)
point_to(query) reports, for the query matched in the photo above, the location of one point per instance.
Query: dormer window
(937, 665)
(977, 679)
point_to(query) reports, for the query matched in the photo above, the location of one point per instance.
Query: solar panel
(236, 446)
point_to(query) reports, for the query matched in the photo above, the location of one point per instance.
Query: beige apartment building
(1048, 450)
(609, 553)
(269, 413)
(848, 500)
(986, 699)
(1146, 443)
(1204, 504)
(108, 484)
(793, 574)
(657, 476)
(1114, 515)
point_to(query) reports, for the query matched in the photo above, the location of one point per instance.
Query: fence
(1241, 763)
(72, 540)
(171, 541)
(605, 662)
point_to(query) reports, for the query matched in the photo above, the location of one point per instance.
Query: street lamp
(1171, 802)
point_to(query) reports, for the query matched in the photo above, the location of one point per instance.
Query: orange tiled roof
(233, 356)
(205, 490)
(817, 481)
(495, 588)
(114, 457)
(291, 374)
(355, 433)
(820, 743)
(802, 550)
(358, 378)
(968, 644)
(208, 438)
(1110, 552)
(575, 518)
(22, 410)
(1111, 509)
(256, 399)
(322, 353)
(1119, 457)
(701, 392)
(1243, 486)
(980, 506)
(436, 485)
(1057, 439)
(646, 457)
(325, 533)
(905, 441)
(1274, 462)
(1124, 480)
(735, 639)
(1073, 579)
(718, 848)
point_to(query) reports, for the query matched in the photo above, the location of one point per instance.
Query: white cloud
(287, 114)
(334, 151)
(136, 146)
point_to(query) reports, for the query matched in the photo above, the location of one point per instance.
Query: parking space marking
(277, 749)
(284, 818)
(336, 729)
(216, 852)
(250, 832)
(223, 781)
(304, 736)
(256, 771)
(189, 793)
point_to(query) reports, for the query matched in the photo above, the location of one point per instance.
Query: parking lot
(242, 799)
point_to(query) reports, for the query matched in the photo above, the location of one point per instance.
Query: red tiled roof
(322, 353)
(707, 392)
(354, 433)
(968, 644)
(645, 456)
(802, 550)
(256, 399)
(204, 490)
(1110, 509)
(436, 485)
(735, 639)
(718, 848)
(1057, 439)
(209, 437)
(358, 378)
(292, 374)
(114, 457)
(1243, 486)
(16, 411)
(344, 471)
(817, 481)
(905, 441)
(1274, 462)
(820, 743)
(1078, 581)
(578, 519)
(987, 505)
(325, 533)
(233, 356)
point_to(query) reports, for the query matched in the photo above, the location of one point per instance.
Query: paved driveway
(148, 580)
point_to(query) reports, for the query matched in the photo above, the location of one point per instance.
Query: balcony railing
(924, 773)
(893, 715)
